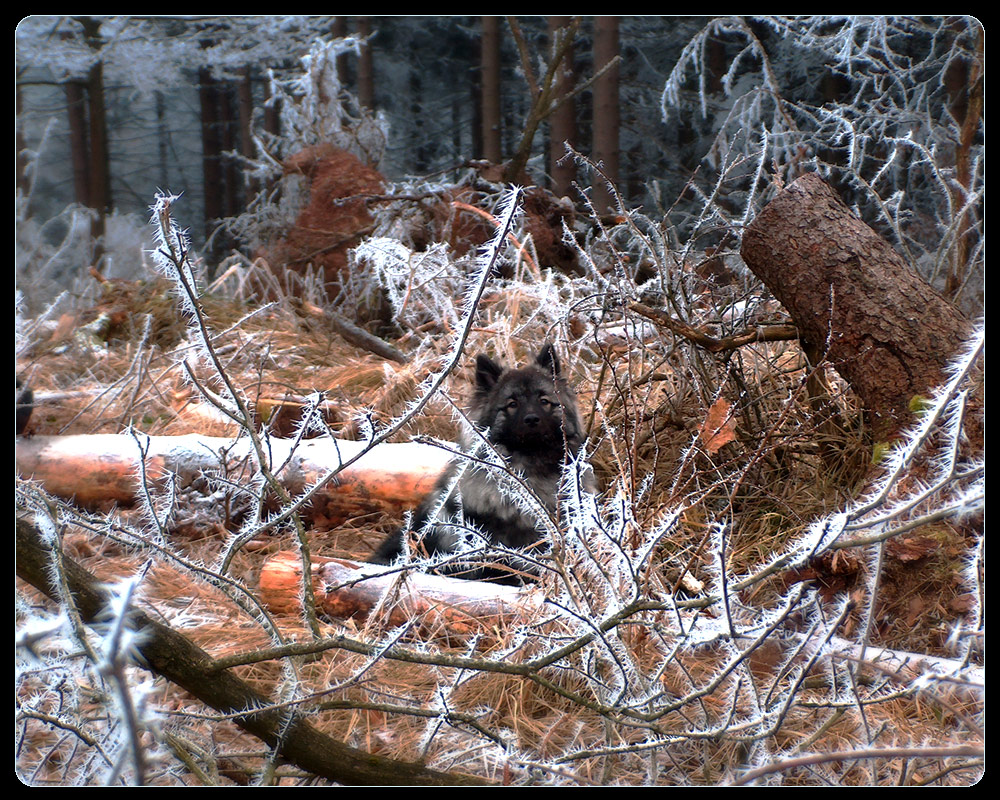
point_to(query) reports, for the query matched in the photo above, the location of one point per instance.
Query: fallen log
(459, 609)
(349, 590)
(935, 675)
(888, 333)
(92, 469)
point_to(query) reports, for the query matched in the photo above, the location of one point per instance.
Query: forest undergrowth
(728, 608)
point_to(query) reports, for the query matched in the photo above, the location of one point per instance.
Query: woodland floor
(100, 376)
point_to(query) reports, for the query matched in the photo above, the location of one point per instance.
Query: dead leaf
(911, 548)
(964, 603)
(719, 427)
(914, 609)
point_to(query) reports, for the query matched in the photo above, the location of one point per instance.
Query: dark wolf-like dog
(529, 416)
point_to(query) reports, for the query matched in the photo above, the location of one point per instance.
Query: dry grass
(773, 481)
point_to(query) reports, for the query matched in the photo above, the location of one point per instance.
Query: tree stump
(887, 332)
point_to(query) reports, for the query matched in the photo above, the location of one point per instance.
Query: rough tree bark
(563, 121)
(99, 179)
(338, 30)
(88, 135)
(366, 69)
(211, 147)
(231, 172)
(21, 160)
(272, 113)
(245, 106)
(606, 113)
(964, 81)
(885, 330)
(76, 108)
(492, 149)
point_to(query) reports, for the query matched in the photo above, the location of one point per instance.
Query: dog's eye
(511, 404)
(544, 401)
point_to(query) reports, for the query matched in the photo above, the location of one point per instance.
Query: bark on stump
(887, 332)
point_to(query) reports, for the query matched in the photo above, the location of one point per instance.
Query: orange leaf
(719, 428)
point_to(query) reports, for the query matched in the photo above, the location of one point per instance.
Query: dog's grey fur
(530, 418)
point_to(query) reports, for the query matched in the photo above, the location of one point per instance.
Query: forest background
(333, 211)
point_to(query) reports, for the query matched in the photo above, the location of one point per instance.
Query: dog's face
(527, 410)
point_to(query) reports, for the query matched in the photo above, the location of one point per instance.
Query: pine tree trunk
(23, 182)
(366, 68)
(272, 114)
(606, 115)
(211, 150)
(76, 105)
(418, 152)
(99, 179)
(100, 170)
(884, 329)
(338, 30)
(245, 100)
(562, 128)
(965, 84)
(162, 140)
(492, 147)
(99, 159)
(230, 167)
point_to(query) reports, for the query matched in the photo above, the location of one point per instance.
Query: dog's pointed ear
(548, 360)
(488, 372)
